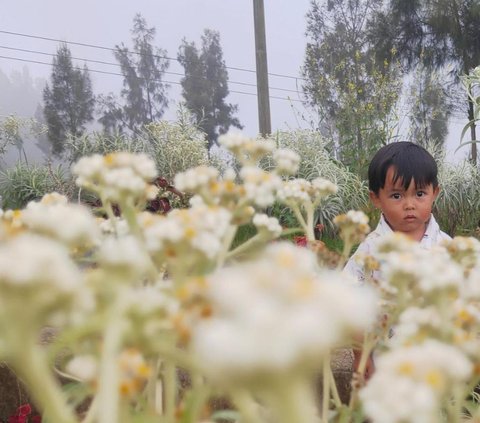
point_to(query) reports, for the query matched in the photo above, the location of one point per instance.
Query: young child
(402, 179)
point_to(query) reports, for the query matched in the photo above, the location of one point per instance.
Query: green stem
(244, 247)
(108, 391)
(151, 388)
(310, 229)
(367, 348)
(300, 218)
(130, 216)
(335, 395)
(294, 402)
(326, 389)
(170, 390)
(247, 406)
(31, 365)
(347, 248)
(92, 411)
(227, 242)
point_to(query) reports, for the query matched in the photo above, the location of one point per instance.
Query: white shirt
(433, 236)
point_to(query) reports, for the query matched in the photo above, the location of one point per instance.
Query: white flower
(83, 367)
(260, 186)
(37, 263)
(416, 323)
(117, 176)
(296, 190)
(277, 314)
(323, 187)
(126, 255)
(269, 225)
(199, 229)
(193, 180)
(118, 226)
(427, 271)
(246, 150)
(71, 224)
(287, 161)
(410, 383)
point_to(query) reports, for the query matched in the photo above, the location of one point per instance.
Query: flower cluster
(353, 226)
(246, 150)
(410, 383)
(284, 288)
(117, 177)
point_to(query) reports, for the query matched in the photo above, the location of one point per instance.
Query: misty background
(31, 31)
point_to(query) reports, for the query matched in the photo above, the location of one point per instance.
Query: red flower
(24, 410)
(17, 419)
(300, 240)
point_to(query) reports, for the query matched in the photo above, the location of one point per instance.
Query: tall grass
(23, 183)
(317, 161)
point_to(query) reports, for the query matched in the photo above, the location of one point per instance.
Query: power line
(119, 74)
(101, 62)
(158, 56)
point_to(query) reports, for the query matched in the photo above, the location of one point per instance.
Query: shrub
(317, 161)
(23, 183)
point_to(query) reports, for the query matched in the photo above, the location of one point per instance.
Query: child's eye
(421, 193)
(395, 196)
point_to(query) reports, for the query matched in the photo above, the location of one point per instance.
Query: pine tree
(144, 91)
(432, 33)
(352, 93)
(205, 86)
(69, 100)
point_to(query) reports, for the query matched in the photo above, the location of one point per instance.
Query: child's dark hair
(409, 161)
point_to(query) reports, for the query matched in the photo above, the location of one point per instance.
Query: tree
(433, 33)
(144, 91)
(69, 101)
(205, 86)
(430, 108)
(353, 93)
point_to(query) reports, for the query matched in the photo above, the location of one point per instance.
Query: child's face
(408, 210)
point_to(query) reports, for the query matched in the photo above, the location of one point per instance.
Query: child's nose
(409, 204)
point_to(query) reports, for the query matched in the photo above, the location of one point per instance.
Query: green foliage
(175, 147)
(433, 33)
(69, 100)
(457, 206)
(205, 86)
(317, 161)
(430, 108)
(23, 183)
(144, 91)
(353, 93)
(100, 143)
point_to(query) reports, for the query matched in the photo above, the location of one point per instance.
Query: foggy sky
(108, 22)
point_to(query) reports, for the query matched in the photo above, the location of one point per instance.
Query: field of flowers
(136, 296)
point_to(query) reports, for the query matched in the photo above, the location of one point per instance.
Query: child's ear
(374, 199)
(436, 191)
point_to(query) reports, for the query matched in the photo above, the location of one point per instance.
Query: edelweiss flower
(83, 367)
(410, 383)
(196, 179)
(268, 225)
(54, 217)
(247, 150)
(353, 226)
(260, 186)
(286, 161)
(283, 289)
(117, 176)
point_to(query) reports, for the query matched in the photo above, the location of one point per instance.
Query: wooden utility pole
(264, 122)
